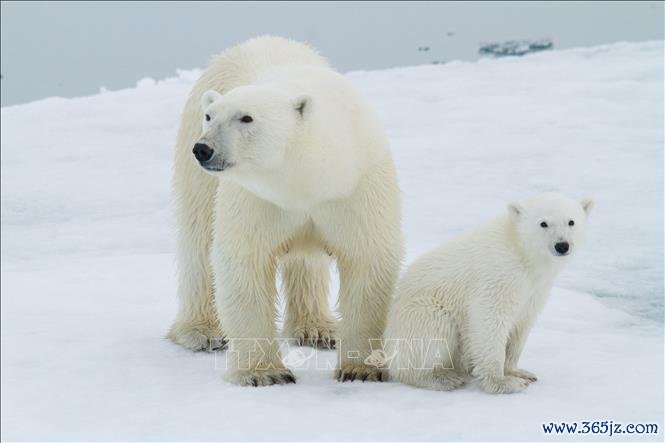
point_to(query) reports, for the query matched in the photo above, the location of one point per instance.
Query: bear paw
(197, 337)
(261, 377)
(521, 373)
(503, 385)
(351, 372)
(314, 336)
(448, 380)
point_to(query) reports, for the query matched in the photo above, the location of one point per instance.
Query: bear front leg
(247, 237)
(487, 338)
(514, 348)
(306, 278)
(246, 297)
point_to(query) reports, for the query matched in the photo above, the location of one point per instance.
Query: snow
(88, 286)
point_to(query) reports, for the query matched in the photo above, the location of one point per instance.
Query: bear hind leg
(197, 337)
(305, 279)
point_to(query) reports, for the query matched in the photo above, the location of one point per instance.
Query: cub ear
(515, 210)
(303, 105)
(587, 205)
(208, 97)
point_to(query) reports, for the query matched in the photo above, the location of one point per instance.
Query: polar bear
(467, 307)
(280, 163)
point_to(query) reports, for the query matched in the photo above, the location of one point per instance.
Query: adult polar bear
(290, 166)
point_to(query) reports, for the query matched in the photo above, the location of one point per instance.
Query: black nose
(562, 247)
(203, 152)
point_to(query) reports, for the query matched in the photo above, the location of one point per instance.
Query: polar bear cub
(467, 307)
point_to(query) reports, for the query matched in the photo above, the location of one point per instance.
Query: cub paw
(503, 385)
(521, 373)
(351, 372)
(261, 377)
(197, 337)
(448, 379)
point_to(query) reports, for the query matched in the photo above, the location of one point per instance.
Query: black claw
(347, 376)
(274, 379)
(214, 345)
(255, 382)
(364, 377)
(289, 378)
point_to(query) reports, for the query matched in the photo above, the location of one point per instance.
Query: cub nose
(203, 152)
(562, 247)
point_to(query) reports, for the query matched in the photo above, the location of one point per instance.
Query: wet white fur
(467, 307)
(313, 181)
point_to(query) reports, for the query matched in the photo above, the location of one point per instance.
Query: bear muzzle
(562, 248)
(203, 152)
(208, 158)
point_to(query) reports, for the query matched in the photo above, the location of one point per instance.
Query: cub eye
(543, 225)
(246, 119)
(207, 117)
(571, 223)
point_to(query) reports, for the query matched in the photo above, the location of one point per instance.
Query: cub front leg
(487, 340)
(516, 342)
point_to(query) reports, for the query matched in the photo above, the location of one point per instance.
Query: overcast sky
(72, 49)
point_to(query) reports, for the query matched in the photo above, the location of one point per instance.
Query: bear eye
(571, 223)
(207, 117)
(543, 224)
(246, 119)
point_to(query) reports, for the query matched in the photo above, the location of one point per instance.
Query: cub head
(248, 129)
(549, 225)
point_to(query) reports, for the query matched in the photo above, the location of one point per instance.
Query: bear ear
(208, 97)
(587, 205)
(303, 105)
(515, 210)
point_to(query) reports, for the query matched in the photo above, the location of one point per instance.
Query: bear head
(248, 130)
(550, 226)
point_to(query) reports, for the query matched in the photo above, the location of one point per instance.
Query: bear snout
(562, 247)
(203, 152)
